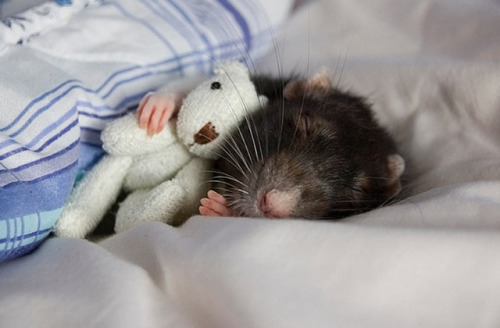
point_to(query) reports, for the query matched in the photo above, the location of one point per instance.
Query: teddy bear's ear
(263, 100)
(232, 69)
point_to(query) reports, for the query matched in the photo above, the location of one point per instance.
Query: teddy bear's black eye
(215, 85)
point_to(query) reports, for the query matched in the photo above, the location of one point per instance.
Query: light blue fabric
(61, 87)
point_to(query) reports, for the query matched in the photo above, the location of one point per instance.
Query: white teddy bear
(166, 173)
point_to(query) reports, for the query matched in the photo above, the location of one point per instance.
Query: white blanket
(432, 71)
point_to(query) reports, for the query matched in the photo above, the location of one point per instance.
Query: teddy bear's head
(216, 107)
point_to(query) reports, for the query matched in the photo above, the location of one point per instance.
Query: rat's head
(320, 155)
(214, 108)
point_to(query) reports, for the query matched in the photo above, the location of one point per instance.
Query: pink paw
(214, 205)
(156, 109)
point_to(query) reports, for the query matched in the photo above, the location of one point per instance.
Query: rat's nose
(207, 134)
(278, 204)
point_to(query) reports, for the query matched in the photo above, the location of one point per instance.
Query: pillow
(72, 69)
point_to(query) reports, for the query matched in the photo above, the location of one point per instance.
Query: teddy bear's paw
(158, 204)
(74, 223)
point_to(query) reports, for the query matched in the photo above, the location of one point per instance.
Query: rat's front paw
(155, 110)
(214, 205)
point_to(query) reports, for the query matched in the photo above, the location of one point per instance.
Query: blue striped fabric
(60, 88)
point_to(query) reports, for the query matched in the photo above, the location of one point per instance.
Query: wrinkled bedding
(431, 69)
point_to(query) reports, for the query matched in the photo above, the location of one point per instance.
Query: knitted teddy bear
(167, 173)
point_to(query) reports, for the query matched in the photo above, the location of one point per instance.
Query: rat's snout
(278, 204)
(207, 134)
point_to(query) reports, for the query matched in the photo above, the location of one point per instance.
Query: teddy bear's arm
(214, 205)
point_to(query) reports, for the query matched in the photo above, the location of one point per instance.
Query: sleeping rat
(313, 152)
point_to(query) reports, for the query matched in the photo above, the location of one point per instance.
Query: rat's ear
(396, 166)
(319, 83)
(293, 89)
(316, 87)
(391, 185)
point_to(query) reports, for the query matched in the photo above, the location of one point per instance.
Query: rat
(313, 151)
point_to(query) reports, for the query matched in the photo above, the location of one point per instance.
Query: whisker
(217, 180)
(228, 177)
(243, 139)
(249, 63)
(360, 201)
(231, 142)
(237, 120)
(342, 70)
(233, 161)
(231, 158)
(234, 187)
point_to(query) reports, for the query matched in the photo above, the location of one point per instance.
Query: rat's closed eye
(304, 125)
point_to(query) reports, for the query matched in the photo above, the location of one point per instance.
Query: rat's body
(309, 151)
(312, 151)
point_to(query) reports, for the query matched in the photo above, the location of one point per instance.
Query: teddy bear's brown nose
(207, 134)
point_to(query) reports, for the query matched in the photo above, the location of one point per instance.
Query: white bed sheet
(432, 70)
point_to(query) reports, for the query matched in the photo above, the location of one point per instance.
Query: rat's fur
(318, 149)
